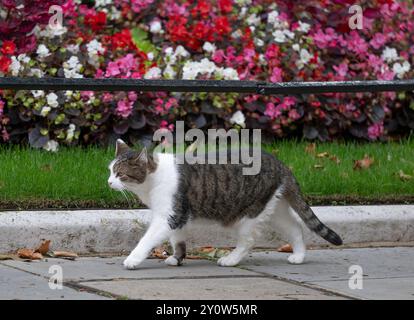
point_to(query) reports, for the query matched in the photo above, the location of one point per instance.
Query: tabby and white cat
(180, 194)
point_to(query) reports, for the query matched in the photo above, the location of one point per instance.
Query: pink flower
(276, 75)
(124, 108)
(376, 130)
(132, 96)
(378, 41)
(293, 114)
(342, 70)
(327, 39)
(218, 56)
(107, 97)
(1, 107)
(272, 111)
(112, 70)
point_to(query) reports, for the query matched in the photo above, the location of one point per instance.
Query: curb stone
(117, 231)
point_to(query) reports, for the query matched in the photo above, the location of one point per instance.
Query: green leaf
(140, 39)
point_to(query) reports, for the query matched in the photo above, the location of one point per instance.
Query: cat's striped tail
(294, 196)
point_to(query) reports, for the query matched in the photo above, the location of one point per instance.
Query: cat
(181, 194)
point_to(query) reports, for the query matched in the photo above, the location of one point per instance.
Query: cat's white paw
(131, 263)
(228, 261)
(172, 261)
(296, 258)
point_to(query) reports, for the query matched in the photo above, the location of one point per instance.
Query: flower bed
(260, 40)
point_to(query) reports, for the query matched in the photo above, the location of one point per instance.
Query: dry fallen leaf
(64, 254)
(285, 248)
(403, 176)
(322, 155)
(364, 163)
(311, 148)
(26, 253)
(44, 247)
(318, 166)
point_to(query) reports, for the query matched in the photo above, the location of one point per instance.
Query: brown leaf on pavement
(65, 254)
(44, 247)
(26, 253)
(285, 248)
(364, 163)
(159, 253)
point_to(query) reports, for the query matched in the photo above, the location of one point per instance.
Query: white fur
(157, 193)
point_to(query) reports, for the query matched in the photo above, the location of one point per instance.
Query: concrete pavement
(387, 273)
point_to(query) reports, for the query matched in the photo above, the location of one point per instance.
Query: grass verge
(77, 178)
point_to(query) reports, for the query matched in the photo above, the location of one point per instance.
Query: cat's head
(129, 167)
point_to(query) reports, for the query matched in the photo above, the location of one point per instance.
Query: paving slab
(244, 288)
(20, 285)
(92, 268)
(388, 273)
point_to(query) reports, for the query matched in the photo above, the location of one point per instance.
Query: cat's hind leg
(177, 240)
(287, 224)
(246, 230)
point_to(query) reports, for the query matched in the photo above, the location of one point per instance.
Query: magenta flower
(376, 130)
(124, 108)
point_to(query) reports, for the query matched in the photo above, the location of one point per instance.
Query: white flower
(243, 12)
(51, 145)
(15, 66)
(296, 47)
(42, 51)
(283, 35)
(23, 58)
(258, 42)
(401, 69)
(153, 73)
(102, 3)
(304, 58)
(150, 56)
(209, 47)
(273, 17)
(181, 52)
(230, 74)
(52, 100)
(70, 132)
(238, 118)
(45, 111)
(72, 67)
(253, 19)
(169, 72)
(73, 48)
(155, 27)
(304, 27)
(95, 48)
(389, 54)
(279, 36)
(51, 32)
(38, 93)
(237, 34)
(191, 68)
(36, 72)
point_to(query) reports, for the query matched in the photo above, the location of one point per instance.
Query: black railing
(237, 86)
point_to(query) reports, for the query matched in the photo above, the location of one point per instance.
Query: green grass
(77, 177)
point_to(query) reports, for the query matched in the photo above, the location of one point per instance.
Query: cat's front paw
(296, 258)
(228, 261)
(131, 263)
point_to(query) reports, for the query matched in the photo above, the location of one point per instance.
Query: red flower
(203, 7)
(123, 39)
(96, 21)
(221, 25)
(4, 64)
(8, 47)
(225, 5)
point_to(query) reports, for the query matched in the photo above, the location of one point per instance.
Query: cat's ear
(121, 148)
